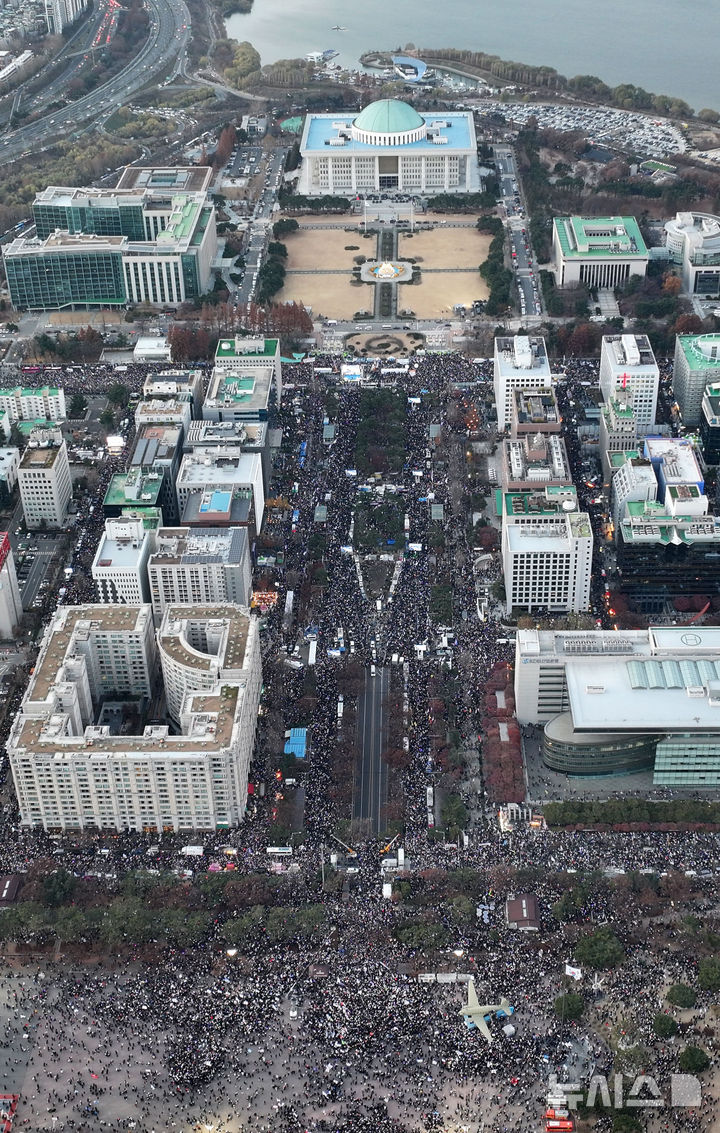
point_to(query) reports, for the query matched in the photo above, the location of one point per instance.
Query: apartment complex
(21, 404)
(152, 239)
(599, 251)
(547, 549)
(44, 479)
(519, 363)
(75, 764)
(628, 366)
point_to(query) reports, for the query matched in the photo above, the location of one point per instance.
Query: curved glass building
(595, 753)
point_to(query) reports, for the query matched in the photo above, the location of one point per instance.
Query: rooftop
(553, 500)
(185, 545)
(701, 351)
(388, 116)
(230, 624)
(581, 237)
(192, 179)
(677, 458)
(454, 129)
(522, 354)
(247, 348)
(134, 488)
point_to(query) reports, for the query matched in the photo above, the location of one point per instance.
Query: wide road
(167, 39)
(370, 786)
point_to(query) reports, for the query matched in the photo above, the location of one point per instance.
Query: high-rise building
(44, 479)
(75, 764)
(600, 251)
(674, 463)
(120, 564)
(697, 364)
(534, 411)
(633, 480)
(158, 449)
(628, 367)
(199, 565)
(60, 14)
(10, 603)
(547, 549)
(212, 480)
(519, 363)
(150, 241)
(693, 241)
(533, 462)
(617, 430)
(9, 465)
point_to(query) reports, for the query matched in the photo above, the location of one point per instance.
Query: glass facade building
(578, 753)
(65, 278)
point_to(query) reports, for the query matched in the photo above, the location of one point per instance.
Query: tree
(58, 888)
(107, 419)
(693, 1060)
(625, 1123)
(709, 974)
(78, 406)
(570, 1006)
(454, 813)
(118, 394)
(664, 1025)
(680, 995)
(601, 950)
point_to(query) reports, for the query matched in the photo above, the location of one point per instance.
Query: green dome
(388, 116)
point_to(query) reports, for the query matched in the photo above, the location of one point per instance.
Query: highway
(167, 39)
(370, 785)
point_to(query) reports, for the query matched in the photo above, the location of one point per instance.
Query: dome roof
(388, 116)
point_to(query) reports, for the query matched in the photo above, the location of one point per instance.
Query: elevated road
(167, 40)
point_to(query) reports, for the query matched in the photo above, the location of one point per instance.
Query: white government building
(389, 146)
(74, 765)
(602, 251)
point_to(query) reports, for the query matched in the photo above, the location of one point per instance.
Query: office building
(696, 366)
(216, 486)
(177, 385)
(534, 411)
(11, 611)
(152, 348)
(709, 424)
(134, 489)
(674, 463)
(519, 363)
(662, 553)
(154, 242)
(617, 430)
(158, 448)
(46, 404)
(632, 480)
(693, 242)
(246, 372)
(199, 566)
(388, 145)
(613, 703)
(44, 479)
(163, 411)
(250, 436)
(601, 252)
(120, 565)
(628, 366)
(533, 462)
(76, 762)
(547, 549)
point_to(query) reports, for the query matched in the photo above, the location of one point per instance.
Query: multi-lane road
(167, 40)
(370, 786)
(525, 273)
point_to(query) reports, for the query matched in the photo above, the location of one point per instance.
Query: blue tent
(297, 743)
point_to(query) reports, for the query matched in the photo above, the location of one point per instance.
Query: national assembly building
(389, 146)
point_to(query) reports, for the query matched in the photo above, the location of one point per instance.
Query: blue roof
(319, 128)
(297, 743)
(219, 501)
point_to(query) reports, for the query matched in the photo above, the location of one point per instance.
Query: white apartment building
(75, 768)
(44, 479)
(547, 549)
(519, 363)
(119, 568)
(60, 14)
(627, 365)
(250, 358)
(201, 566)
(33, 404)
(10, 603)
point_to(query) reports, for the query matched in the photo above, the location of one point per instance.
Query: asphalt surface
(370, 794)
(168, 37)
(524, 266)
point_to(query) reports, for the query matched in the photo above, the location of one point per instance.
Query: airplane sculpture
(477, 1015)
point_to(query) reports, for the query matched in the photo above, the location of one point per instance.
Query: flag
(574, 973)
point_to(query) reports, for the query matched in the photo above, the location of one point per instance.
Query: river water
(666, 46)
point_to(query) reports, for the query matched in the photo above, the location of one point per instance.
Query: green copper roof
(388, 116)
